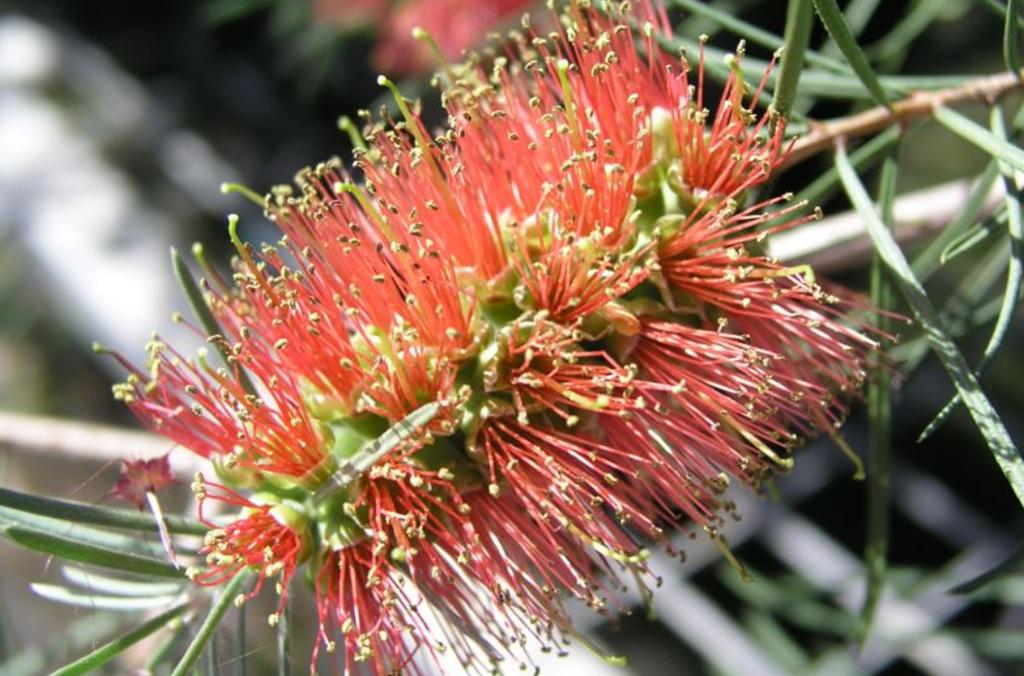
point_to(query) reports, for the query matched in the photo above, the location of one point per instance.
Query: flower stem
(824, 135)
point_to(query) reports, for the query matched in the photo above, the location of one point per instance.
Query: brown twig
(88, 441)
(824, 135)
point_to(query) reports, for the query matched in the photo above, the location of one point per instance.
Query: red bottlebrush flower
(466, 385)
(267, 537)
(738, 151)
(139, 477)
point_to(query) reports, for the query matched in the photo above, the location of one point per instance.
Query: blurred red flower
(455, 25)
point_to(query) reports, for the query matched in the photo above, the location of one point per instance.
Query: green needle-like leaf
(165, 650)
(202, 311)
(109, 651)
(981, 137)
(975, 235)
(1014, 277)
(900, 37)
(863, 158)
(815, 83)
(858, 14)
(965, 308)
(880, 418)
(71, 597)
(79, 512)
(774, 638)
(799, 21)
(118, 586)
(209, 626)
(1011, 46)
(1008, 564)
(78, 550)
(928, 261)
(835, 23)
(87, 534)
(985, 416)
(1000, 10)
(757, 35)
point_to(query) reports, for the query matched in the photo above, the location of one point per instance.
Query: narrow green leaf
(799, 21)
(1011, 46)
(166, 649)
(71, 597)
(981, 137)
(876, 548)
(858, 14)
(209, 626)
(816, 83)
(835, 23)
(928, 261)
(966, 241)
(83, 552)
(79, 512)
(985, 416)
(1014, 277)
(994, 644)
(1002, 568)
(755, 34)
(748, 31)
(117, 586)
(776, 640)
(202, 311)
(110, 650)
(898, 40)
(86, 534)
(964, 310)
(863, 158)
(195, 297)
(1000, 9)
(212, 658)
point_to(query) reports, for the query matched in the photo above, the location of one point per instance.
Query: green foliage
(110, 650)
(77, 549)
(209, 626)
(94, 514)
(985, 416)
(799, 21)
(836, 25)
(876, 547)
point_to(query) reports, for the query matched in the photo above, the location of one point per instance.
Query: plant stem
(824, 135)
(876, 549)
(42, 435)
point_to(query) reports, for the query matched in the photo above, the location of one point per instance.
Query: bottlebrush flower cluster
(471, 383)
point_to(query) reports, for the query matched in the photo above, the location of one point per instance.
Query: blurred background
(119, 121)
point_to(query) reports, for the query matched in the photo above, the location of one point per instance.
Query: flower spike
(492, 372)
